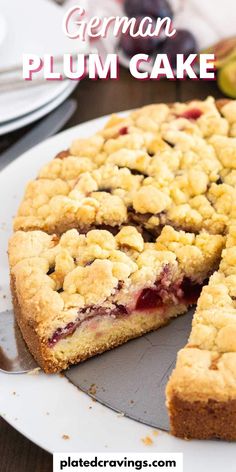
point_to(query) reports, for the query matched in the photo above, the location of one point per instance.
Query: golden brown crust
(203, 420)
(28, 331)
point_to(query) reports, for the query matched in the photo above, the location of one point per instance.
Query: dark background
(94, 99)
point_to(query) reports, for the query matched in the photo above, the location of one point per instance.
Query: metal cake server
(130, 379)
(15, 357)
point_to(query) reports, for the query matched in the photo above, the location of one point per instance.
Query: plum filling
(164, 293)
(192, 114)
(182, 291)
(91, 312)
(123, 130)
(191, 290)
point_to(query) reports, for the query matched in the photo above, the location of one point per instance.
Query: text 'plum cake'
(119, 233)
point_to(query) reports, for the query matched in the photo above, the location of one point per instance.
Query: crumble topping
(158, 160)
(87, 147)
(194, 379)
(66, 169)
(150, 200)
(225, 148)
(229, 111)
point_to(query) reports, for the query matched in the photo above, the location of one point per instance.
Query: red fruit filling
(164, 293)
(191, 290)
(91, 312)
(184, 291)
(123, 130)
(192, 114)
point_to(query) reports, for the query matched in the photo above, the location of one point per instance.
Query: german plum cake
(124, 231)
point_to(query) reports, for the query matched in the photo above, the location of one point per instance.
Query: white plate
(40, 112)
(21, 102)
(3, 29)
(32, 27)
(44, 407)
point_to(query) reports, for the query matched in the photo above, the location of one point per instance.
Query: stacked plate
(31, 27)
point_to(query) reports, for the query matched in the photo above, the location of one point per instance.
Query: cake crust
(203, 420)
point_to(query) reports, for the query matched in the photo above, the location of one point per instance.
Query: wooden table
(94, 99)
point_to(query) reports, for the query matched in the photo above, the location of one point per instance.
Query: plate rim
(39, 113)
(3, 29)
(59, 88)
(55, 88)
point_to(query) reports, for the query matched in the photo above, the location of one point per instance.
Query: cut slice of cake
(201, 393)
(78, 295)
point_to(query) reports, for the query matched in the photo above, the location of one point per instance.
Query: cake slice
(79, 295)
(201, 393)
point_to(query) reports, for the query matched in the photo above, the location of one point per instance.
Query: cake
(124, 231)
